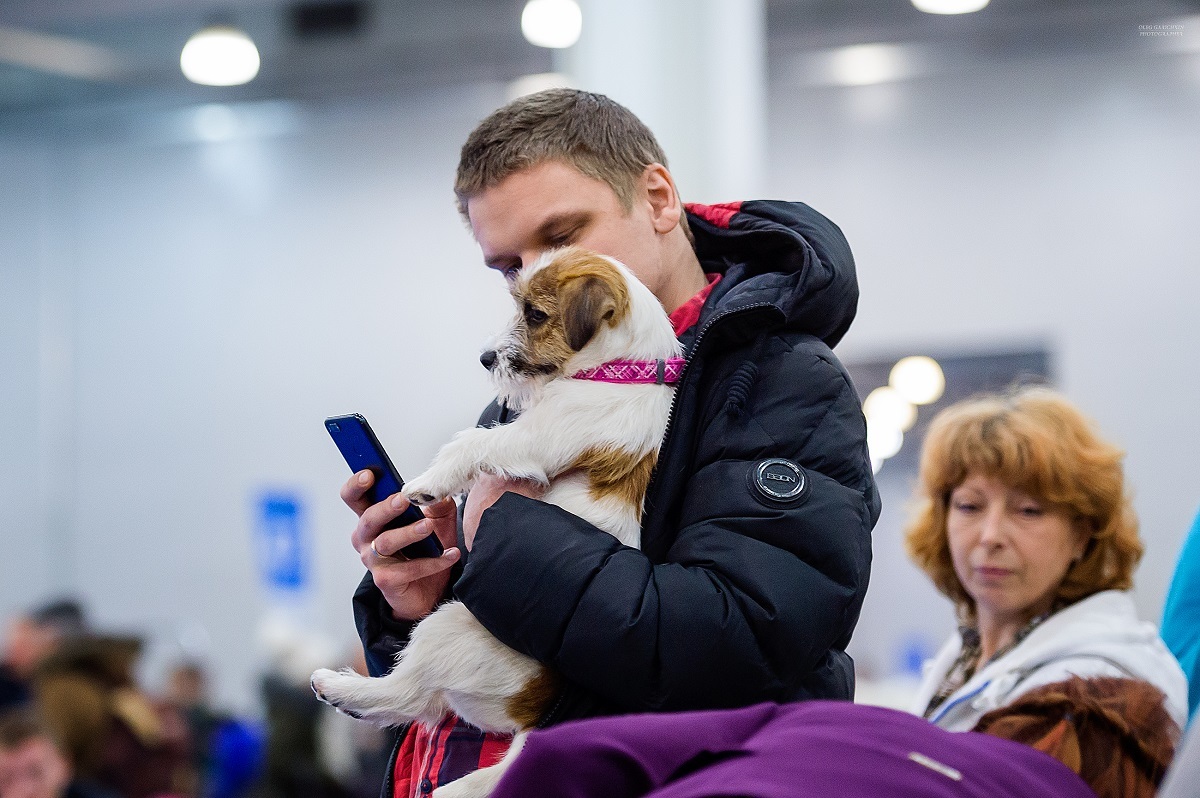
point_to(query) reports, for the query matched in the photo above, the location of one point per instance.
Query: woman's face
(1010, 550)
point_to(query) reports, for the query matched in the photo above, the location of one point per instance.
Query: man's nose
(488, 359)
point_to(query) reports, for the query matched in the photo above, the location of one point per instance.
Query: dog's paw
(420, 495)
(432, 486)
(337, 688)
(321, 682)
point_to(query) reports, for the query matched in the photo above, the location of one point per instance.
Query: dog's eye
(534, 316)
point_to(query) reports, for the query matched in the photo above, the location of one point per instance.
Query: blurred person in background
(1080, 738)
(29, 639)
(31, 763)
(1181, 614)
(294, 764)
(355, 752)
(112, 733)
(225, 752)
(1025, 523)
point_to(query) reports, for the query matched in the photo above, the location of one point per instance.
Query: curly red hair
(1034, 440)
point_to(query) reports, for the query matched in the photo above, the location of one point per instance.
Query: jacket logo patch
(779, 479)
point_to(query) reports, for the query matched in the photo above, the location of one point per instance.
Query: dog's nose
(488, 359)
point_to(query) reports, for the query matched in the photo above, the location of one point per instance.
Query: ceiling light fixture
(219, 55)
(552, 23)
(918, 379)
(949, 6)
(868, 64)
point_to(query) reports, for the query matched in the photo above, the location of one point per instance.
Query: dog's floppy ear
(587, 301)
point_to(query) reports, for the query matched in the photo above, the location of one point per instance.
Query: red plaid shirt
(429, 758)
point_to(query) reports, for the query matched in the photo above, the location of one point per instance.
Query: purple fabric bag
(816, 749)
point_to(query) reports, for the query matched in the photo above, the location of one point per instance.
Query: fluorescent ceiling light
(59, 55)
(552, 23)
(949, 6)
(867, 64)
(219, 56)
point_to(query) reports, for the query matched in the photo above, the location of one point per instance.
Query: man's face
(26, 644)
(552, 205)
(33, 769)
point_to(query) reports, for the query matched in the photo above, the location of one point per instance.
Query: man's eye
(562, 239)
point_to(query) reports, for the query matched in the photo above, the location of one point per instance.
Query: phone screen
(357, 442)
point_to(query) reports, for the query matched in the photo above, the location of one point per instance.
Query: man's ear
(665, 207)
(587, 302)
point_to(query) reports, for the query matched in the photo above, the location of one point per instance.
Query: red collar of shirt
(684, 317)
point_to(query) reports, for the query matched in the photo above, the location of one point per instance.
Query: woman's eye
(965, 507)
(1032, 511)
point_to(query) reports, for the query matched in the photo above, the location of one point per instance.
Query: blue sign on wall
(283, 541)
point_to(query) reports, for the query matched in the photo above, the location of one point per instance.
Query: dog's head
(566, 302)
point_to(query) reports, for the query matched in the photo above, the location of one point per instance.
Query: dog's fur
(593, 444)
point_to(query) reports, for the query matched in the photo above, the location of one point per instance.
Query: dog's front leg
(504, 451)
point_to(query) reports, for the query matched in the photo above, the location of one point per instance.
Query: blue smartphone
(357, 442)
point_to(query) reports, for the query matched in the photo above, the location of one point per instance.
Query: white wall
(1048, 201)
(217, 300)
(227, 297)
(25, 568)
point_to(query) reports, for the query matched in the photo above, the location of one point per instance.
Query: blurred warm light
(219, 56)
(949, 6)
(867, 64)
(552, 23)
(887, 407)
(918, 379)
(883, 441)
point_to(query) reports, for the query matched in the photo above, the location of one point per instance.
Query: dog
(589, 359)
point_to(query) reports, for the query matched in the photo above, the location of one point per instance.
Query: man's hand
(412, 587)
(484, 493)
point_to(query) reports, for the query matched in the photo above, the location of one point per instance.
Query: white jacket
(1097, 636)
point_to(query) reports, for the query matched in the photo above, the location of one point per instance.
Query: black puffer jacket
(735, 597)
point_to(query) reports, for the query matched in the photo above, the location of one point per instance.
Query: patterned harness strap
(646, 372)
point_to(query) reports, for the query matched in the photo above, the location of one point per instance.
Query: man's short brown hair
(1034, 440)
(603, 139)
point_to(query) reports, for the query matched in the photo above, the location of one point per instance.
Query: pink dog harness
(648, 372)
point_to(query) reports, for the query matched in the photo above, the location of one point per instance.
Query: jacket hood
(1100, 630)
(784, 253)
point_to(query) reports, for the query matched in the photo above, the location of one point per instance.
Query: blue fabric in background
(1181, 615)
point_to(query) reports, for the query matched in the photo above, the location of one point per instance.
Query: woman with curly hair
(1024, 522)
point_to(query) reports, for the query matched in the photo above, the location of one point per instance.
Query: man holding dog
(756, 533)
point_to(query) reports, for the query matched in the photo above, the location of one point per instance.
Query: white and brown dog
(590, 360)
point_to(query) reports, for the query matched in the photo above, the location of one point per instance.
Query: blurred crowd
(75, 723)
